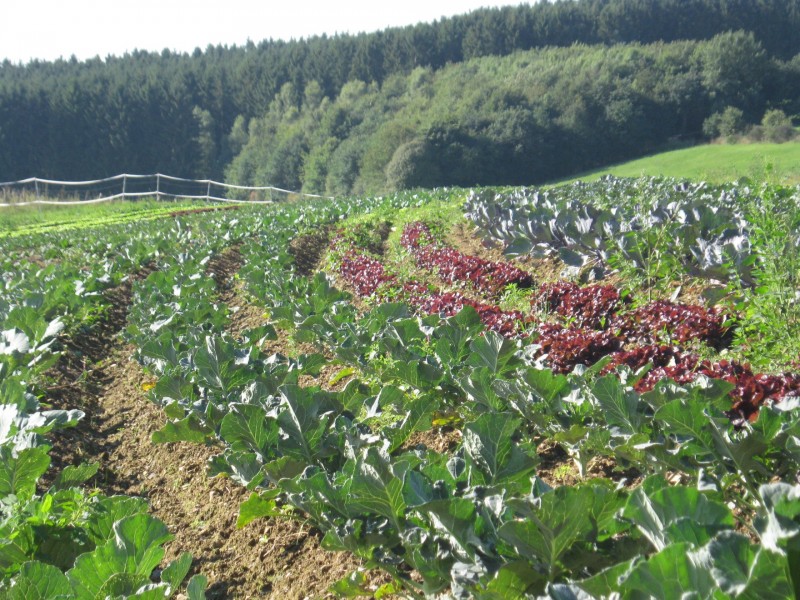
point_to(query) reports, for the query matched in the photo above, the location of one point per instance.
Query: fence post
(124, 180)
(158, 186)
(208, 192)
(36, 187)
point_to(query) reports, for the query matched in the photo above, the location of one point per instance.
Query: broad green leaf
(375, 489)
(518, 246)
(319, 486)
(513, 580)
(622, 408)
(18, 475)
(60, 546)
(419, 374)
(284, 467)
(304, 419)
(124, 563)
(478, 385)
(406, 331)
(17, 551)
(493, 351)
(561, 591)
(688, 421)
(217, 365)
(703, 391)
(779, 525)
(546, 384)
(571, 258)
(152, 591)
(489, 446)
(675, 572)
(341, 374)
(354, 585)
(243, 467)
(418, 415)
(188, 429)
(174, 388)
(456, 520)
(108, 511)
(246, 428)
(544, 533)
(75, 475)
(311, 364)
(744, 570)
(14, 341)
(677, 514)
(39, 581)
(258, 506)
(258, 335)
(176, 571)
(607, 581)
(196, 590)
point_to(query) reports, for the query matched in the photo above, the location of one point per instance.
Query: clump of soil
(223, 266)
(442, 440)
(307, 250)
(381, 234)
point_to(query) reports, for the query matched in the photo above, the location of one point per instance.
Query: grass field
(777, 163)
(26, 219)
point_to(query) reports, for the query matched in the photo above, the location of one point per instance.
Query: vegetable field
(588, 391)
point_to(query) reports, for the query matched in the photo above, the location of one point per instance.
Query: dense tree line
(524, 118)
(190, 114)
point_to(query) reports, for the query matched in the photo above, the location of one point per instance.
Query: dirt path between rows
(270, 558)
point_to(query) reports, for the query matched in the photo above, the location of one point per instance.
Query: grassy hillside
(779, 163)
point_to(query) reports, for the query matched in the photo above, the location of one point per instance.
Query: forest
(498, 96)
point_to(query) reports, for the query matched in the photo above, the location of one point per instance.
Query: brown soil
(194, 211)
(556, 467)
(222, 267)
(462, 237)
(242, 315)
(307, 251)
(441, 440)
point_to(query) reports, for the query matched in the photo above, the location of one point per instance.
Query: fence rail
(54, 192)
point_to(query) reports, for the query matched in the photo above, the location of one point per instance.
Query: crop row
(369, 277)
(453, 266)
(58, 539)
(598, 324)
(701, 229)
(63, 541)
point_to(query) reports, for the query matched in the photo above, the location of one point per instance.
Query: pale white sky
(49, 29)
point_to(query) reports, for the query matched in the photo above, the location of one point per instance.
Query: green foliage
(777, 127)
(772, 315)
(727, 124)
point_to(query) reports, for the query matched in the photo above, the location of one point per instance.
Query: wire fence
(120, 187)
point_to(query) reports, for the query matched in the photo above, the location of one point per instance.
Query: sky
(49, 29)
